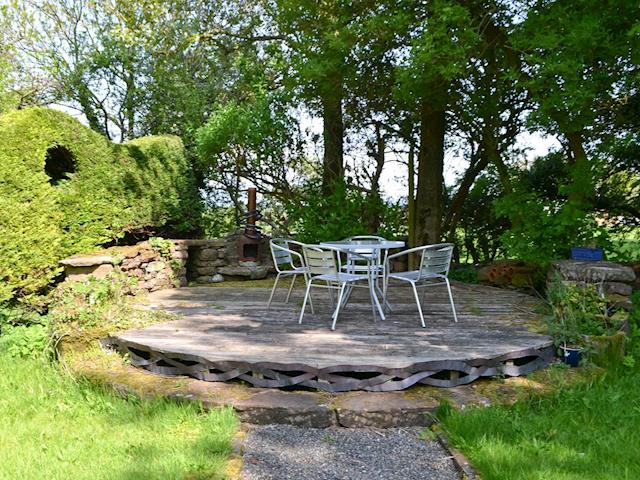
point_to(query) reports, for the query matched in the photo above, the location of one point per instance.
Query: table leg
(375, 303)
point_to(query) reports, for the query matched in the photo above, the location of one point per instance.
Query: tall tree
(442, 40)
(94, 57)
(487, 112)
(575, 57)
(320, 38)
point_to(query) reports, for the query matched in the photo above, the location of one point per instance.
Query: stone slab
(254, 273)
(617, 288)
(592, 272)
(75, 274)
(205, 254)
(291, 408)
(384, 410)
(156, 266)
(91, 260)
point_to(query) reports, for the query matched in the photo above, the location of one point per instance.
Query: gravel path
(283, 452)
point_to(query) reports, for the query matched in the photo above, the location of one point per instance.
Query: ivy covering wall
(66, 189)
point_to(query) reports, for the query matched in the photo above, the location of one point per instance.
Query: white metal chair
(284, 256)
(323, 264)
(355, 265)
(435, 261)
(360, 267)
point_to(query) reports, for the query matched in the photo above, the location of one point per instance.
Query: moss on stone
(541, 382)
(110, 369)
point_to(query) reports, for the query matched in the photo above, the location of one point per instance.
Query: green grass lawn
(586, 432)
(54, 427)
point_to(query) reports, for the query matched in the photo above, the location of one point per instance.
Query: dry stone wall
(173, 264)
(614, 280)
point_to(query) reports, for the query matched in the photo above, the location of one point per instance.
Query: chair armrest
(299, 257)
(405, 252)
(295, 242)
(292, 254)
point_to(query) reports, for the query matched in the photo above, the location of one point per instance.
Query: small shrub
(633, 339)
(578, 311)
(25, 341)
(17, 315)
(544, 230)
(344, 213)
(89, 303)
(465, 274)
(161, 246)
(23, 332)
(86, 311)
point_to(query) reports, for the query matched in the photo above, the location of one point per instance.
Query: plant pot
(571, 356)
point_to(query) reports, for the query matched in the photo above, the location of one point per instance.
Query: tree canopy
(308, 98)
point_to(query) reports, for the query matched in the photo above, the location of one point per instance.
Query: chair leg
(311, 303)
(293, 282)
(347, 295)
(386, 306)
(331, 294)
(372, 294)
(304, 302)
(415, 294)
(453, 307)
(273, 290)
(337, 312)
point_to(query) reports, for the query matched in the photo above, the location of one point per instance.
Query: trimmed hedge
(107, 191)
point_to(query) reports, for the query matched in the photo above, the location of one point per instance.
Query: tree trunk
(503, 171)
(374, 199)
(90, 112)
(429, 197)
(333, 134)
(581, 182)
(411, 206)
(453, 215)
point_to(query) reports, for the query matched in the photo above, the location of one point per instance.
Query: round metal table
(368, 246)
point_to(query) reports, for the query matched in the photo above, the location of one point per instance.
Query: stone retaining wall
(171, 263)
(614, 280)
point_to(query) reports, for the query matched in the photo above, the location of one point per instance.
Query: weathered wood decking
(229, 334)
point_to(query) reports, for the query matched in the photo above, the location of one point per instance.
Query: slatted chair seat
(416, 275)
(339, 277)
(324, 270)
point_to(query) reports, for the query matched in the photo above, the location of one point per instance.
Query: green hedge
(143, 185)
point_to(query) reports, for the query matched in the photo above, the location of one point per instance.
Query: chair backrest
(366, 237)
(366, 252)
(436, 259)
(321, 260)
(282, 253)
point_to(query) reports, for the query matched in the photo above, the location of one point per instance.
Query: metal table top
(364, 244)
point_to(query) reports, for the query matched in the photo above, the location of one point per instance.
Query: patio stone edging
(317, 410)
(459, 459)
(260, 406)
